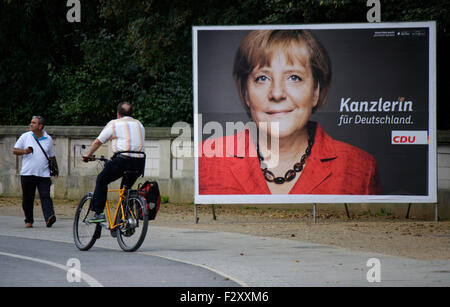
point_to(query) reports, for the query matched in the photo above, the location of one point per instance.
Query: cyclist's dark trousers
(114, 170)
(29, 185)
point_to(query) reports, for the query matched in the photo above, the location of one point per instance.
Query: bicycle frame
(122, 196)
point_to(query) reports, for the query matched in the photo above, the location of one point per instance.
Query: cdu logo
(409, 137)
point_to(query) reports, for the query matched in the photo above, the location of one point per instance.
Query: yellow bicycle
(128, 222)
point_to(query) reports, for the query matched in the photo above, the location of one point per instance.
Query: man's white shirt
(35, 163)
(125, 134)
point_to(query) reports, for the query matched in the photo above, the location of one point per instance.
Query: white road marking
(241, 283)
(92, 282)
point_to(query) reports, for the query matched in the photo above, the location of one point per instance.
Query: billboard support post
(346, 210)
(314, 213)
(407, 212)
(195, 214)
(213, 212)
(196, 218)
(436, 213)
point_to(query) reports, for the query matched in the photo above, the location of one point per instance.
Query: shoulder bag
(51, 164)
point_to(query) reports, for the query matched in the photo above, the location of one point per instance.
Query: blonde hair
(258, 46)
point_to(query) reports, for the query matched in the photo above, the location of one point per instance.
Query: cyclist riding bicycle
(126, 134)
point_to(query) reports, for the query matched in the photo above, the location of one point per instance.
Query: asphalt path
(176, 257)
(42, 263)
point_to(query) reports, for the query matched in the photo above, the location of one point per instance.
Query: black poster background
(367, 64)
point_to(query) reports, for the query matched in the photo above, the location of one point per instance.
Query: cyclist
(125, 134)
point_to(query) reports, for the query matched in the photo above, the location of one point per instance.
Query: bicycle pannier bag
(149, 190)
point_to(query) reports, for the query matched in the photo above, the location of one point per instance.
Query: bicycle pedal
(104, 226)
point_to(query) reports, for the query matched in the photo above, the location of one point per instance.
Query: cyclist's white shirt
(125, 134)
(35, 163)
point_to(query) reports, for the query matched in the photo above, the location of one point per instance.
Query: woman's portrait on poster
(282, 78)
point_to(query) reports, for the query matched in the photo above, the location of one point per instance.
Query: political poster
(329, 113)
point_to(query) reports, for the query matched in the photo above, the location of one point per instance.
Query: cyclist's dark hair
(124, 108)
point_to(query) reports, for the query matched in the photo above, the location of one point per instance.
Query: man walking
(126, 134)
(35, 172)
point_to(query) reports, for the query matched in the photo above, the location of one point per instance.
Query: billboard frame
(325, 198)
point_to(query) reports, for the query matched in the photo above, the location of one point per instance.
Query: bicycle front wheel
(131, 233)
(84, 233)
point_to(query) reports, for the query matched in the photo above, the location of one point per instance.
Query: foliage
(89, 91)
(141, 51)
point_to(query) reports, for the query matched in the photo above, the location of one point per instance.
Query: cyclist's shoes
(98, 218)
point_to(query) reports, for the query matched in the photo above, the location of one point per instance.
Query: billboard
(330, 113)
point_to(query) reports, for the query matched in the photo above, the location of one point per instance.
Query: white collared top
(125, 134)
(35, 163)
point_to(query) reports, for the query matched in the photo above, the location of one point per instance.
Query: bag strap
(41, 148)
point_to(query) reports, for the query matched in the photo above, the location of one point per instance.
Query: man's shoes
(98, 218)
(28, 225)
(51, 220)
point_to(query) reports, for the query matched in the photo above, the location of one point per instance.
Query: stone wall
(174, 175)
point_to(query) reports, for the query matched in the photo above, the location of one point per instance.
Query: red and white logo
(409, 137)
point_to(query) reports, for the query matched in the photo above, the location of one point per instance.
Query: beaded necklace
(292, 173)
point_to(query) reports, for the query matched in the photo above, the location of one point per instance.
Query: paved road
(35, 262)
(183, 257)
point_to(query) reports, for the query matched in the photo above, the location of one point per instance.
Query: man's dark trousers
(29, 185)
(114, 170)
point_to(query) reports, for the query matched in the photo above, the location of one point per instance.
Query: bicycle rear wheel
(131, 234)
(84, 233)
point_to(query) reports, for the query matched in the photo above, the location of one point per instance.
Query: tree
(141, 51)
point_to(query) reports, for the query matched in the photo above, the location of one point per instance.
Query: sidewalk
(258, 261)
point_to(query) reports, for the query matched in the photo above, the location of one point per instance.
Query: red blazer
(333, 168)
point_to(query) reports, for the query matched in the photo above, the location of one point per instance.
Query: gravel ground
(385, 234)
